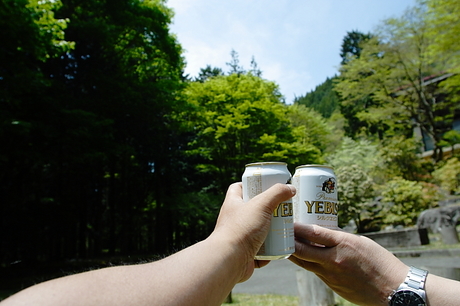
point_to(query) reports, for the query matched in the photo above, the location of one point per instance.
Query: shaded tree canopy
(87, 128)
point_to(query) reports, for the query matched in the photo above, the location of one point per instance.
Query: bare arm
(202, 274)
(359, 269)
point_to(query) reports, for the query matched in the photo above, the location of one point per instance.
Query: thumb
(270, 198)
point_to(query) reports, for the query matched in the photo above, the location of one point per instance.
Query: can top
(266, 164)
(313, 165)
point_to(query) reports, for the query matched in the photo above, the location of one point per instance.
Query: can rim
(266, 163)
(314, 165)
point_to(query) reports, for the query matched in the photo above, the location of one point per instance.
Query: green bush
(448, 176)
(403, 200)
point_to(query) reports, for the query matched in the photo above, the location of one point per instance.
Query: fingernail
(293, 190)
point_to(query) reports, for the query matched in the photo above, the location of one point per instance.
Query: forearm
(202, 274)
(442, 291)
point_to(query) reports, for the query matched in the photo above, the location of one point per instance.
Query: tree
(240, 119)
(96, 138)
(234, 64)
(352, 45)
(354, 163)
(397, 74)
(255, 68)
(444, 28)
(31, 35)
(351, 49)
(311, 128)
(447, 175)
(208, 72)
(404, 200)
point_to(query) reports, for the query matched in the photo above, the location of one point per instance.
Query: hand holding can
(257, 178)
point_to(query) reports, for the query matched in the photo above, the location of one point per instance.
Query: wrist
(232, 253)
(412, 290)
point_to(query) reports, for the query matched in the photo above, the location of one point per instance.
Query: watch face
(407, 298)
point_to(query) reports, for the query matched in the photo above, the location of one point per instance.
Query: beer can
(316, 199)
(257, 178)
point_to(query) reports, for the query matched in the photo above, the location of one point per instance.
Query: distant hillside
(323, 99)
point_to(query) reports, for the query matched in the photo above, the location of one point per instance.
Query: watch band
(415, 281)
(416, 278)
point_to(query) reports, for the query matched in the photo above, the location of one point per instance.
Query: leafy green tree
(395, 72)
(356, 194)
(31, 35)
(126, 68)
(444, 21)
(447, 176)
(240, 119)
(398, 156)
(370, 191)
(89, 128)
(354, 163)
(404, 200)
(312, 130)
(451, 138)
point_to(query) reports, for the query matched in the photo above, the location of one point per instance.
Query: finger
(274, 195)
(307, 265)
(317, 234)
(308, 252)
(261, 263)
(235, 190)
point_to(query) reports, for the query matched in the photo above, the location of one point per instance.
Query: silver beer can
(257, 178)
(316, 199)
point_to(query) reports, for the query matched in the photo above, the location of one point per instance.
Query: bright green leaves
(240, 119)
(392, 86)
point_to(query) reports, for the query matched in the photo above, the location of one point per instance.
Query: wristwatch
(412, 291)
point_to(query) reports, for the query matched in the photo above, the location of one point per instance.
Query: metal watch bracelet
(416, 278)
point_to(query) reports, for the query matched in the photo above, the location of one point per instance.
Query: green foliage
(450, 138)
(354, 163)
(398, 157)
(404, 200)
(310, 128)
(366, 171)
(356, 193)
(351, 152)
(443, 17)
(243, 299)
(87, 126)
(239, 119)
(208, 72)
(448, 176)
(323, 98)
(388, 88)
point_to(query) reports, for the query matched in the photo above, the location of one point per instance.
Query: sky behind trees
(295, 43)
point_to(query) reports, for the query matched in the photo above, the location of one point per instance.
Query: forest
(108, 149)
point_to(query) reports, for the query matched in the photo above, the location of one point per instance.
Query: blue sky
(296, 43)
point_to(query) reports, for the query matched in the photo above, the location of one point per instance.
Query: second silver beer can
(316, 199)
(257, 178)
